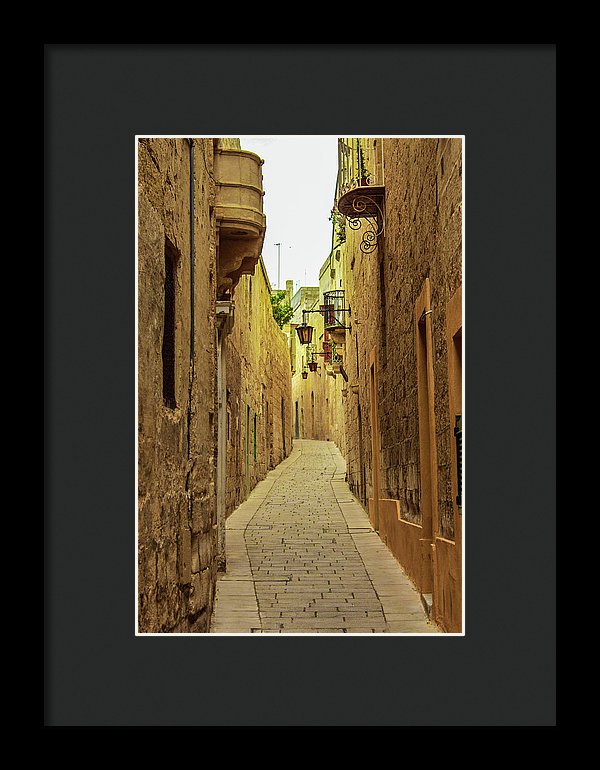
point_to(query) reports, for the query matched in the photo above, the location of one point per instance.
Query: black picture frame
(97, 97)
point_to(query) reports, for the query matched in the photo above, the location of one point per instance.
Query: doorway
(362, 486)
(247, 452)
(427, 450)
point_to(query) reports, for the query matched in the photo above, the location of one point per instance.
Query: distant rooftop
(305, 295)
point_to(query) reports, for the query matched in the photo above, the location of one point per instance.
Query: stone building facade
(401, 262)
(336, 386)
(200, 232)
(316, 393)
(309, 419)
(258, 393)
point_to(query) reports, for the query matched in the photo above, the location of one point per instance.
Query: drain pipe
(191, 141)
(191, 380)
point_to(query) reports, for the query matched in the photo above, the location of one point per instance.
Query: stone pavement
(302, 557)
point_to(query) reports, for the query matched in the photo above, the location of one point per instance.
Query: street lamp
(332, 311)
(305, 332)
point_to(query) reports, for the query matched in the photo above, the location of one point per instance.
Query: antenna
(278, 265)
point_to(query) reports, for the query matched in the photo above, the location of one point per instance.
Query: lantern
(304, 333)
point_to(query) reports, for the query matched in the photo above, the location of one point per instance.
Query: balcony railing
(337, 362)
(360, 190)
(359, 165)
(336, 358)
(333, 309)
(335, 314)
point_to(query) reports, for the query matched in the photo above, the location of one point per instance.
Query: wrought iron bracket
(364, 203)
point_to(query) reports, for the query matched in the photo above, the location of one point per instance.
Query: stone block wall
(308, 416)
(176, 440)
(334, 388)
(259, 391)
(422, 241)
(423, 238)
(364, 292)
(423, 189)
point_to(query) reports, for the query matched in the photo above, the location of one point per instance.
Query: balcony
(239, 213)
(337, 361)
(334, 316)
(360, 192)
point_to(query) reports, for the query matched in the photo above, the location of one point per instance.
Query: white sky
(299, 176)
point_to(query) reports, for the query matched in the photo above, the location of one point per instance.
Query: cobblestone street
(302, 557)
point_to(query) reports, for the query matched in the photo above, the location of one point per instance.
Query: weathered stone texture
(259, 394)
(362, 285)
(176, 446)
(422, 239)
(178, 433)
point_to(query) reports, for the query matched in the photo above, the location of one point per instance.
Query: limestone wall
(308, 415)
(420, 251)
(423, 181)
(179, 543)
(176, 440)
(259, 395)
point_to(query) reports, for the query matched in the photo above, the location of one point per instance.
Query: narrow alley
(302, 557)
(300, 440)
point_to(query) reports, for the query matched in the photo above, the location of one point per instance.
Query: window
(168, 345)
(458, 438)
(454, 343)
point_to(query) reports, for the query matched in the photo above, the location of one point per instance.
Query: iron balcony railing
(335, 357)
(334, 309)
(357, 165)
(360, 191)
